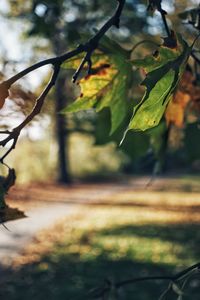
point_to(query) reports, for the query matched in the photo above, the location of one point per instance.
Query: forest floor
(74, 237)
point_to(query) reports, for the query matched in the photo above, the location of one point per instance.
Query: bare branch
(93, 42)
(157, 4)
(89, 47)
(100, 292)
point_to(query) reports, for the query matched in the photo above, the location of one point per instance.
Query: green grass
(114, 242)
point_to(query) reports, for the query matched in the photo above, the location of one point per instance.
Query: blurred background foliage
(66, 147)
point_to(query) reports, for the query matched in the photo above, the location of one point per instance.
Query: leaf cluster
(111, 77)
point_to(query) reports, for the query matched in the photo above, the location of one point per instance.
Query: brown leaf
(9, 214)
(176, 109)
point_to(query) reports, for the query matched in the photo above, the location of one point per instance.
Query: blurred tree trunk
(60, 120)
(61, 132)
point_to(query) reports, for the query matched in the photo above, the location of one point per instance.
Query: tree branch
(89, 47)
(157, 4)
(100, 292)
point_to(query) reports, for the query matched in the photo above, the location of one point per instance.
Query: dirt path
(44, 205)
(22, 231)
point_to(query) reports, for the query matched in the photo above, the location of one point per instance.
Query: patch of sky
(154, 24)
(168, 5)
(4, 8)
(19, 53)
(71, 15)
(141, 10)
(40, 10)
(196, 2)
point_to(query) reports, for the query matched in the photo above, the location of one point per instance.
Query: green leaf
(163, 74)
(136, 144)
(108, 83)
(152, 62)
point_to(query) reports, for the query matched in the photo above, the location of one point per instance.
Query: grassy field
(136, 233)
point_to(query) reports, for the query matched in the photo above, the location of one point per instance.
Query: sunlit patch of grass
(129, 247)
(116, 234)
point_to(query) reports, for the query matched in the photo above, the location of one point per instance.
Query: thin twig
(163, 15)
(176, 277)
(172, 279)
(157, 4)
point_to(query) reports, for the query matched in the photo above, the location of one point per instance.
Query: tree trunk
(61, 133)
(60, 103)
